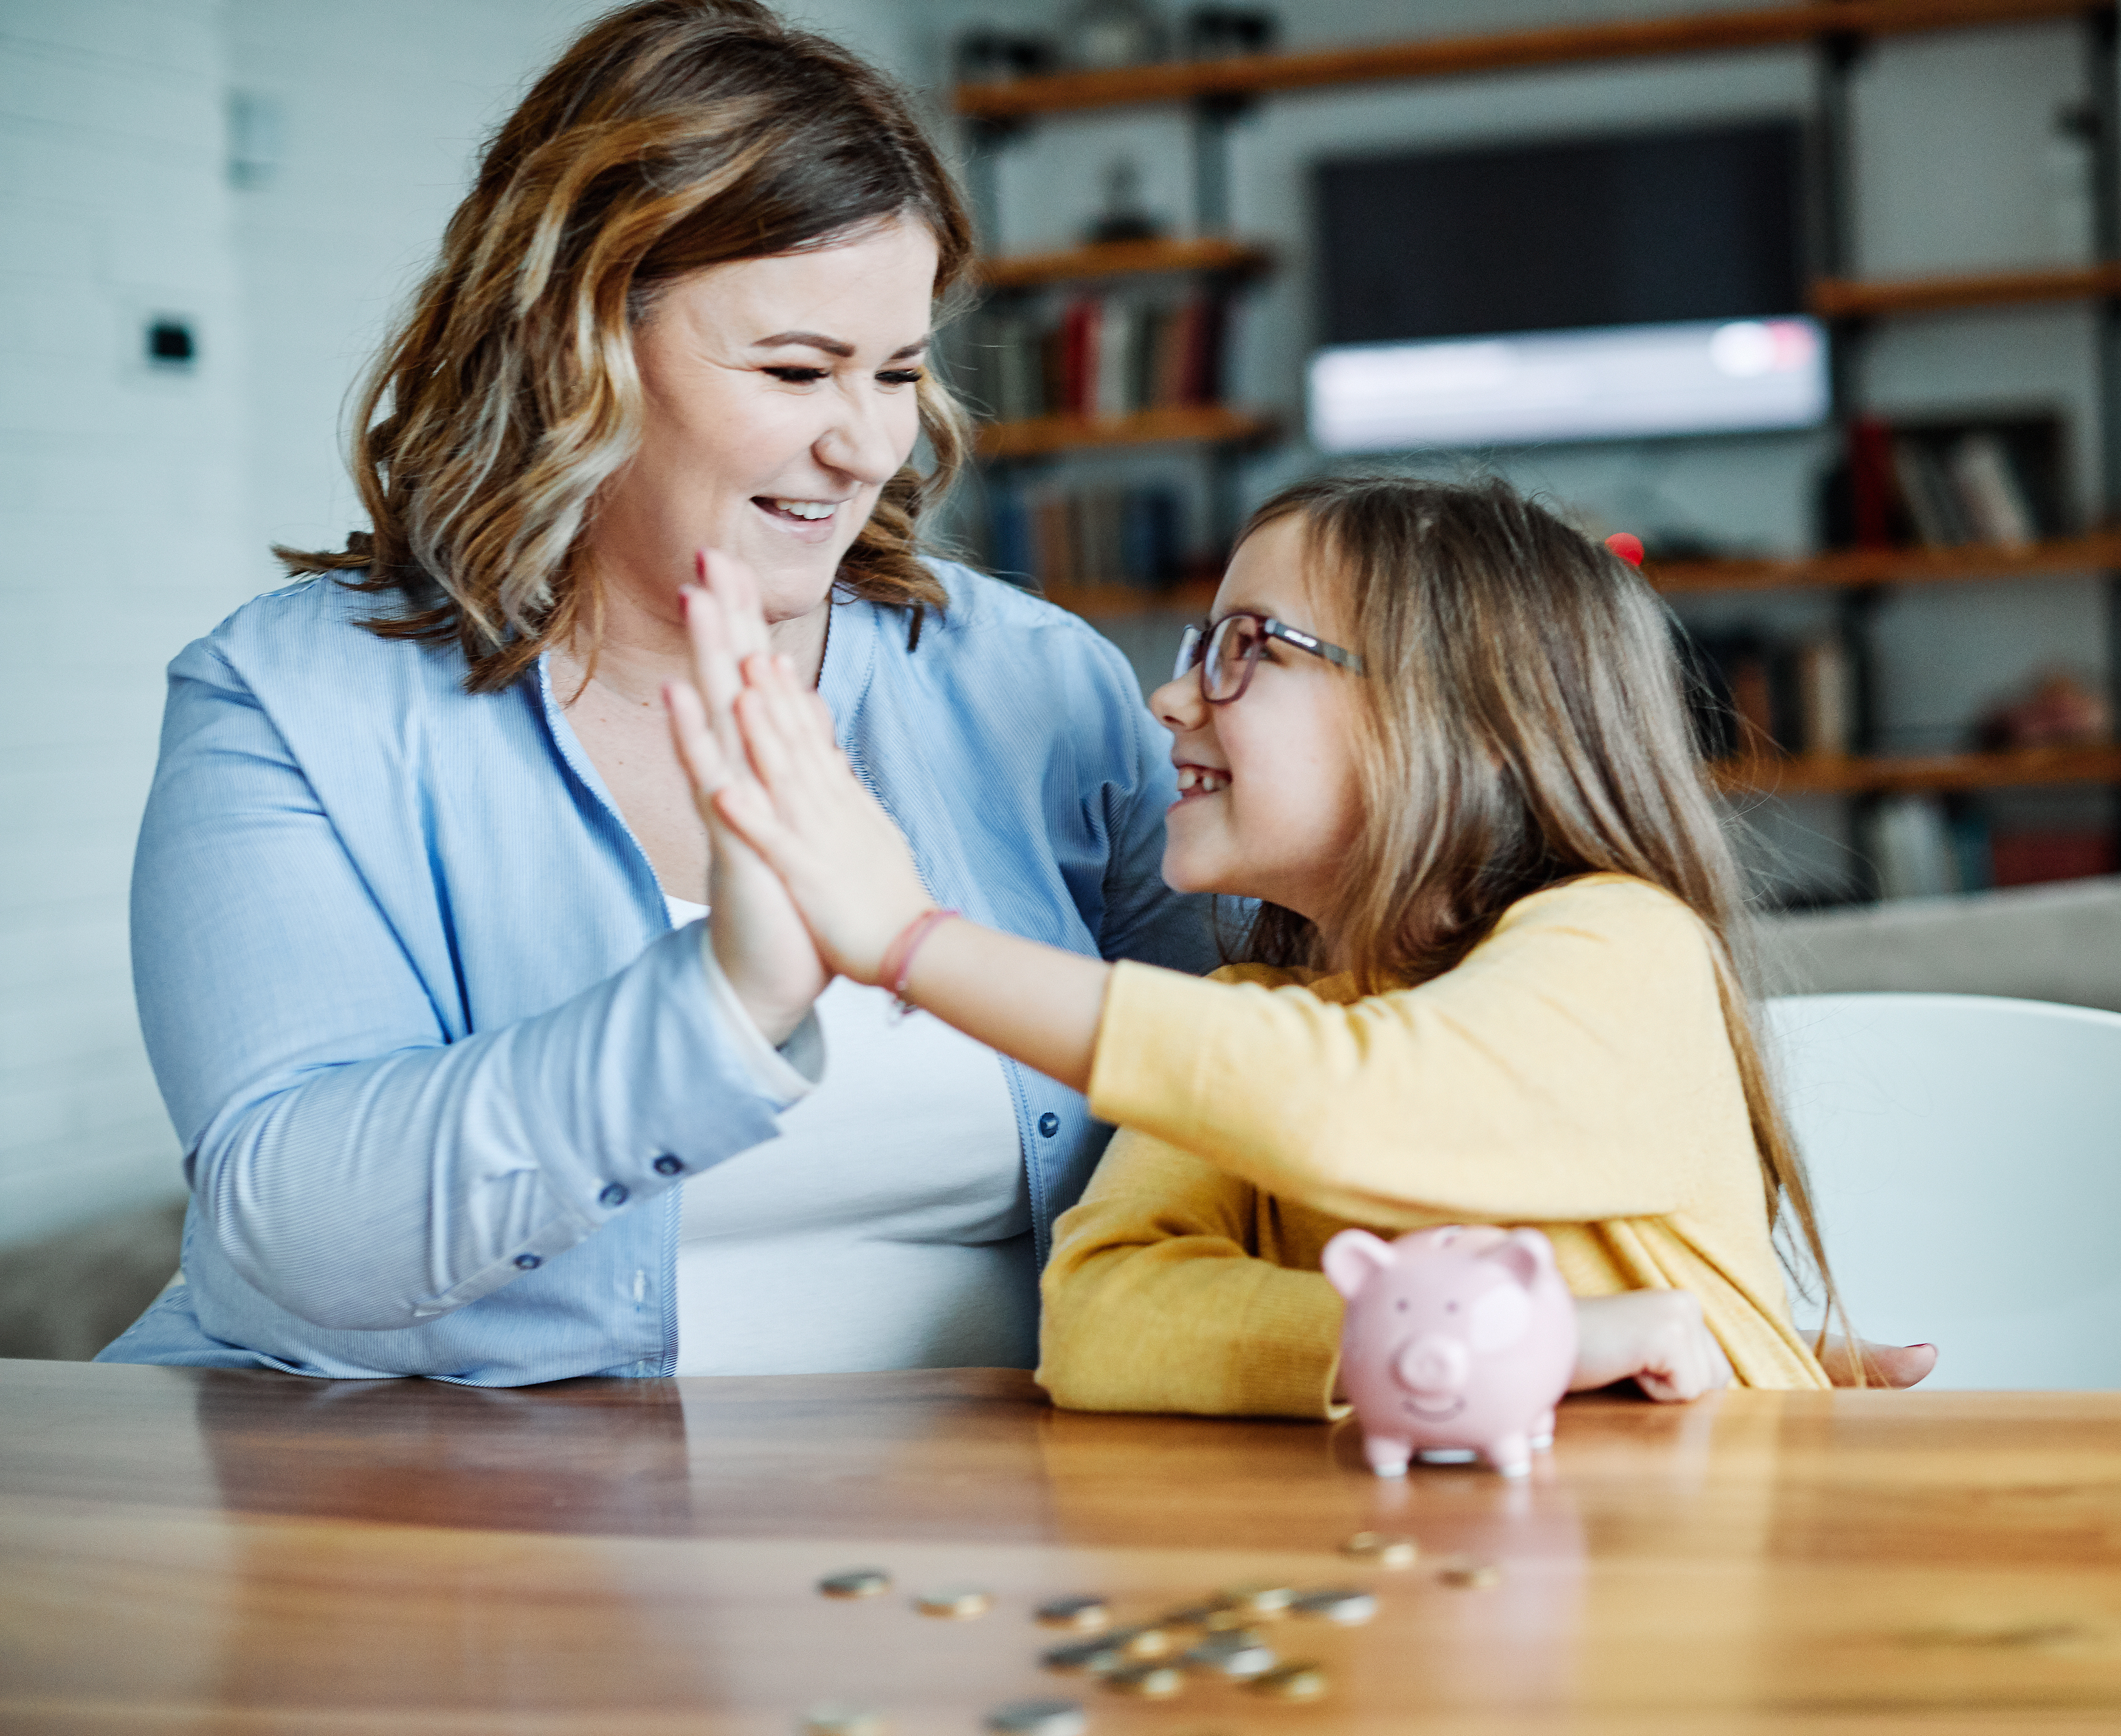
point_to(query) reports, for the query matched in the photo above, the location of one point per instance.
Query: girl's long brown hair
(671, 135)
(1524, 723)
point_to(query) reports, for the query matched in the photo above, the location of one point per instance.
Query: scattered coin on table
(1039, 1717)
(1473, 1575)
(1085, 1614)
(1239, 1653)
(1210, 1618)
(1147, 1680)
(1383, 1548)
(856, 1582)
(1096, 1656)
(1258, 1600)
(1290, 1682)
(954, 1603)
(833, 1719)
(1343, 1603)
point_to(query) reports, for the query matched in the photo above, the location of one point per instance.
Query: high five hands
(764, 764)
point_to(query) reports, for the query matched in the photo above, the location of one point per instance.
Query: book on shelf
(1753, 694)
(1995, 481)
(1910, 844)
(1051, 537)
(1103, 355)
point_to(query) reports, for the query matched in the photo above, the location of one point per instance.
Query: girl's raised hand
(844, 861)
(760, 940)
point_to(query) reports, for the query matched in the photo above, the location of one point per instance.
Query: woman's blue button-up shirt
(438, 1063)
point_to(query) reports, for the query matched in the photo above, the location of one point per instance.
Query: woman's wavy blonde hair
(671, 135)
(1523, 723)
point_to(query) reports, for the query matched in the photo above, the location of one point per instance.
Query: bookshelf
(1124, 259)
(1862, 568)
(1216, 93)
(1212, 424)
(1838, 298)
(1821, 775)
(1261, 75)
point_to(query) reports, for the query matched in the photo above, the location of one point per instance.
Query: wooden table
(213, 1552)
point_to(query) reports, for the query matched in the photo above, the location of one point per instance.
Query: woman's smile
(807, 521)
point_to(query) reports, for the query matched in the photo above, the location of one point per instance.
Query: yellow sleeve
(1574, 1067)
(1155, 1301)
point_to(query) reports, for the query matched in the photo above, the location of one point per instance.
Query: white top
(889, 1226)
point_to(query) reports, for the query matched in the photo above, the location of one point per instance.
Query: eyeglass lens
(1226, 654)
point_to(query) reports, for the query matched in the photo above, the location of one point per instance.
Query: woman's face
(780, 399)
(1269, 800)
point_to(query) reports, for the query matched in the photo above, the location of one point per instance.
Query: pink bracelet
(898, 956)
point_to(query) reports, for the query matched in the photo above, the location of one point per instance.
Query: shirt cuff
(785, 1075)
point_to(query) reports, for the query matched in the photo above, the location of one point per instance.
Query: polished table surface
(192, 1550)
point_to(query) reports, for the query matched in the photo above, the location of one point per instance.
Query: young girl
(1492, 975)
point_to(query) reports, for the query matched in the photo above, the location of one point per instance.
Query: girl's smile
(1269, 799)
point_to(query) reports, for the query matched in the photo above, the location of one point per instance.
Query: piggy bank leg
(1542, 1433)
(1511, 1455)
(1386, 1455)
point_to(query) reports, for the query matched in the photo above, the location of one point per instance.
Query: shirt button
(1049, 1124)
(613, 1195)
(529, 1262)
(666, 1164)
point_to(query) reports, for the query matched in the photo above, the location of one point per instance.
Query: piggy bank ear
(1525, 1255)
(1352, 1259)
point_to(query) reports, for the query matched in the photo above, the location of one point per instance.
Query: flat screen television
(1604, 288)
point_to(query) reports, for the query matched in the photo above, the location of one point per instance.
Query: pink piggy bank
(1457, 1338)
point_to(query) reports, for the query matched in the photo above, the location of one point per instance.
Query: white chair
(1965, 1158)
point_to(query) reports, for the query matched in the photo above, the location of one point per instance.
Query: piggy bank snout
(1434, 1362)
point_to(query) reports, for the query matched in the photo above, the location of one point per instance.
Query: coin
(1343, 1603)
(1381, 1548)
(1212, 1617)
(1039, 1717)
(1291, 1682)
(1085, 1614)
(1096, 1656)
(856, 1582)
(1146, 1681)
(1238, 1652)
(1258, 1600)
(1151, 1641)
(833, 1719)
(954, 1603)
(1474, 1575)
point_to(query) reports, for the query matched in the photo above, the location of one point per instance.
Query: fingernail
(1921, 1346)
(700, 563)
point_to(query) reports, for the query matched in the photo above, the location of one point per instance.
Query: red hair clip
(1627, 544)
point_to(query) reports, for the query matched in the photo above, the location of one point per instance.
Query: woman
(462, 1093)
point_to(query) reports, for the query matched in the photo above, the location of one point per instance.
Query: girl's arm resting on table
(365, 1161)
(1153, 1302)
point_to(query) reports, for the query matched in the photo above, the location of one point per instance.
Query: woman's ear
(1352, 1259)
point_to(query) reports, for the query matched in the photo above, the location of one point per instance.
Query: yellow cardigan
(1572, 1072)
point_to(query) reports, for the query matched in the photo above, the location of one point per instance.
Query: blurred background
(1823, 319)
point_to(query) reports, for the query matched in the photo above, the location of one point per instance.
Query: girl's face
(1269, 804)
(780, 398)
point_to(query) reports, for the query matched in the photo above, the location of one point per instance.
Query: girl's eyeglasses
(1228, 650)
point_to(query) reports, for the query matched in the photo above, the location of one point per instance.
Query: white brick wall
(135, 506)
(120, 515)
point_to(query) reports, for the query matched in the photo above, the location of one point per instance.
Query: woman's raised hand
(764, 760)
(760, 939)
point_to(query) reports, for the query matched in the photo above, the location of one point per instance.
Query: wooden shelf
(1821, 776)
(1210, 424)
(1193, 597)
(1454, 56)
(1864, 566)
(1840, 298)
(1122, 260)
